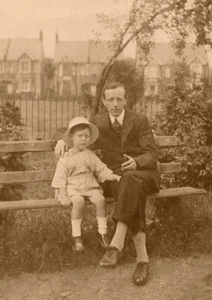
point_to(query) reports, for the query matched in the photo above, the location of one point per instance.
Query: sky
(72, 19)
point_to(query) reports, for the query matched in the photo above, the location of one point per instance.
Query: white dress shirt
(120, 118)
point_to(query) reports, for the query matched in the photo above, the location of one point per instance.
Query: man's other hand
(129, 164)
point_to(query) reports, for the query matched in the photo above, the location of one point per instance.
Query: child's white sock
(119, 237)
(76, 227)
(140, 246)
(102, 225)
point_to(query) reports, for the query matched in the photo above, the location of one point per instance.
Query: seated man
(128, 148)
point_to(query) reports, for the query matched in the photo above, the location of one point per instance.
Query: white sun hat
(77, 121)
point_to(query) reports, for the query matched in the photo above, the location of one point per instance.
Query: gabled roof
(82, 51)
(165, 53)
(31, 47)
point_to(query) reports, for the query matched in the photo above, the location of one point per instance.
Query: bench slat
(47, 203)
(166, 141)
(167, 168)
(25, 146)
(38, 146)
(26, 176)
(47, 175)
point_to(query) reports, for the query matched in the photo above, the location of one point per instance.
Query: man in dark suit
(128, 148)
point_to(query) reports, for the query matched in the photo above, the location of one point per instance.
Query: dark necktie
(116, 126)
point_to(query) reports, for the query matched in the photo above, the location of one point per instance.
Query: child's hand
(65, 201)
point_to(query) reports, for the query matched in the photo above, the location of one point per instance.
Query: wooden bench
(47, 175)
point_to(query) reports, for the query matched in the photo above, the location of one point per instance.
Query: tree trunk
(100, 86)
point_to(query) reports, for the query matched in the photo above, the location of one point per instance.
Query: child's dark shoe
(78, 245)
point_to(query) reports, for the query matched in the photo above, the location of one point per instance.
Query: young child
(76, 177)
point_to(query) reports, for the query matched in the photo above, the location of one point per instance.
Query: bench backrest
(47, 175)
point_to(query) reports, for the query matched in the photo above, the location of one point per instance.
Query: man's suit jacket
(136, 141)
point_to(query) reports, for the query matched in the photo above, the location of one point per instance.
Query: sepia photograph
(105, 149)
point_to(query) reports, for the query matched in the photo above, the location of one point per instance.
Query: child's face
(81, 139)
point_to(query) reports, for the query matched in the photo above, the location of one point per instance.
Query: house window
(32, 85)
(25, 66)
(18, 86)
(83, 70)
(196, 68)
(32, 66)
(60, 70)
(67, 69)
(10, 68)
(167, 72)
(152, 89)
(74, 70)
(153, 72)
(25, 85)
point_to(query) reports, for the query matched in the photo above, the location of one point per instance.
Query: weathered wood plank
(166, 168)
(177, 192)
(39, 146)
(166, 141)
(47, 203)
(47, 175)
(26, 176)
(25, 146)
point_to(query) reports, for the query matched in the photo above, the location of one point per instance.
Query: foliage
(49, 71)
(49, 68)
(180, 19)
(182, 227)
(187, 114)
(125, 71)
(10, 130)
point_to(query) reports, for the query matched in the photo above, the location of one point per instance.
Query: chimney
(41, 35)
(56, 38)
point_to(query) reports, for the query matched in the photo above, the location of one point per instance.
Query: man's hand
(60, 148)
(129, 164)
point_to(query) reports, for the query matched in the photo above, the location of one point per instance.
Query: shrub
(10, 131)
(187, 114)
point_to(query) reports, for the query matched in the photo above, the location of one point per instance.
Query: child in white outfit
(76, 178)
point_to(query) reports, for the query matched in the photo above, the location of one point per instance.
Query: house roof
(13, 49)
(32, 47)
(82, 51)
(166, 54)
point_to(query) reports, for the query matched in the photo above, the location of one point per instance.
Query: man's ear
(126, 99)
(103, 101)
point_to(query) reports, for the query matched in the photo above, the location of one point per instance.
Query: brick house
(21, 64)
(79, 65)
(158, 65)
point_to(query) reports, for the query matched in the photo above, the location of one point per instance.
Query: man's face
(115, 101)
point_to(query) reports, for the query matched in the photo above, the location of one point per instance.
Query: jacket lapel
(127, 125)
(105, 124)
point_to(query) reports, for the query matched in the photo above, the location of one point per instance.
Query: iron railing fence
(41, 118)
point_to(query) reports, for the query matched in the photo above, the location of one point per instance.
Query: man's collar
(120, 118)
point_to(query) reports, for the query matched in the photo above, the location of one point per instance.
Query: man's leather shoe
(110, 258)
(141, 273)
(104, 240)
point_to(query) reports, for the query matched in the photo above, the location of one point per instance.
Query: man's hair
(111, 86)
(79, 127)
